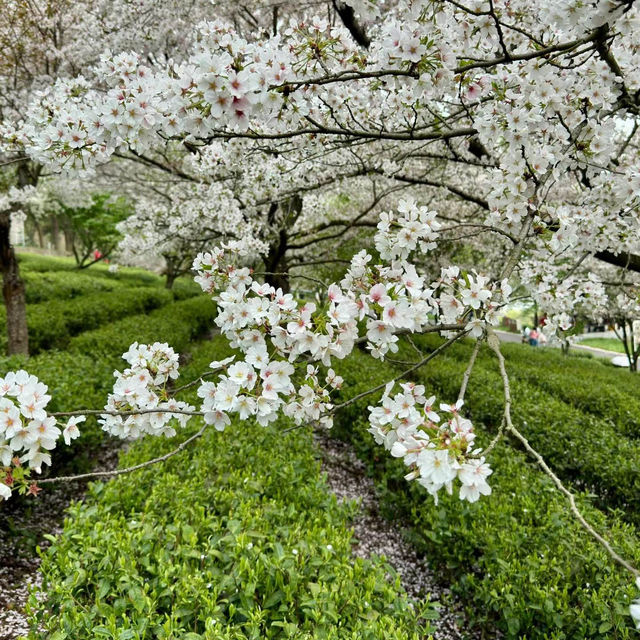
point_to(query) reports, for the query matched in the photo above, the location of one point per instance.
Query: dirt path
(375, 535)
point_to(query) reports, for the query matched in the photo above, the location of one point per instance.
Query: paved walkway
(507, 336)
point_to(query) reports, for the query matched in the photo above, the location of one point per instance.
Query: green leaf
(273, 599)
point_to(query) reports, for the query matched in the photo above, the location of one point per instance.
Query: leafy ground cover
(517, 557)
(236, 538)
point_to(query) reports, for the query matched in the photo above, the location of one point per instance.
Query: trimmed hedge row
(34, 262)
(51, 324)
(219, 543)
(52, 285)
(517, 557)
(62, 285)
(178, 324)
(587, 384)
(588, 451)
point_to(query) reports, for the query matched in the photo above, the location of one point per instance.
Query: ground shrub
(518, 558)
(236, 538)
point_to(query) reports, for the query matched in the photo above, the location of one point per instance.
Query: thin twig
(422, 362)
(467, 373)
(137, 412)
(289, 275)
(430, 329)
(119, 472)
(496, 439)
(206, 374)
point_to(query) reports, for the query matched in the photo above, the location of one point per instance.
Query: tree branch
(494, 345)
(119, 472)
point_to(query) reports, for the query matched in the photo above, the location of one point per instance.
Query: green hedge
(52, 285)
(235, 538)
(517, 557)
(582, 448)
(53, 323)
(34, 262)
(591, 385)
(178, 324)
(62, 285)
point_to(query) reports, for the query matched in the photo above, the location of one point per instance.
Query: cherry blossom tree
(525, 121)
(42, 40)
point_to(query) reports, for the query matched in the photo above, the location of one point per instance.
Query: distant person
(525, 335)
(542, 339)
(533, 337)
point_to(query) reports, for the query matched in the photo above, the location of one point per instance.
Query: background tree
(92, 230)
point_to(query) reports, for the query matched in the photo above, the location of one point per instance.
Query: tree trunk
(13, 291)
(276, 267)
(55, 233)
(68, 240)
(170, 278)
(276, 264)
(171, 267)
(628, 345)
(635, 352)
(39, 234)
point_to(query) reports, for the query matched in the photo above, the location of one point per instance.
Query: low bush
(62, 285)
(37, 263)
(235, 538)
(184, 288)
(178, 324)
(518, 558)
(53, 323)
(586, 383)
(589, 385)
(582, 448)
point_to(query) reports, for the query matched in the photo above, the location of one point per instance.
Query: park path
(375, 535)
(508, 336)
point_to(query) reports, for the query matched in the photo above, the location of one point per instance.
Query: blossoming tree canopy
(525, 121)
(42, 40)
(536, 95)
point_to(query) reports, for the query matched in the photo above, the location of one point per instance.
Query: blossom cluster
(436, 452)
(140, 389)
(399, 235)
(393, 297)
(277, 336)
(27, 432)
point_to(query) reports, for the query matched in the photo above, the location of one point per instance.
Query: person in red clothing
(533, 337)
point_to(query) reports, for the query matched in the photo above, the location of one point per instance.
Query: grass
(610, 344)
